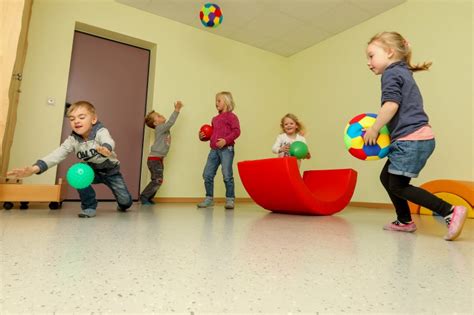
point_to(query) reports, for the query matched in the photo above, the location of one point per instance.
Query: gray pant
(156, 169)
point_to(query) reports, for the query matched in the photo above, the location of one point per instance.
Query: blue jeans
(224, 156)
(113, 179)
(407, 158)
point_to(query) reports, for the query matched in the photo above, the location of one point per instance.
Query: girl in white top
(293, 130)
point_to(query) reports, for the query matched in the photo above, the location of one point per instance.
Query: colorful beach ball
(353, 138)
(211, 15)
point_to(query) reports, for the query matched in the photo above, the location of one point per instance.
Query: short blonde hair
(84, 104)
(401, 47)
(299, 125)
(228, 100)
(150, 120)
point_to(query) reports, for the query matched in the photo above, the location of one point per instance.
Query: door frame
(16, 17)
(152, 47)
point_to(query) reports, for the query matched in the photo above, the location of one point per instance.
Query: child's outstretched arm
(177, 106)
(386, 113)
(24, 172)
(170, 122)
(47, 162)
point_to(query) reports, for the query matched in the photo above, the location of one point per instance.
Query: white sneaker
(229, 203)
(208, 202)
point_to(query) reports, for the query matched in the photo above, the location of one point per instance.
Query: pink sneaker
(455, 223)
(400, 227)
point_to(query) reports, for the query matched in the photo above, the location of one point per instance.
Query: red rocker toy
(276, 185)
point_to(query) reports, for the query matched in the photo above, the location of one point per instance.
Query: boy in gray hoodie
(92, 143)
(159, 150)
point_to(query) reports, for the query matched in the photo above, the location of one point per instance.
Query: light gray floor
(175, 258)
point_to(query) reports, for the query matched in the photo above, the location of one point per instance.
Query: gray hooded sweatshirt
(84, 149)
(162, 143)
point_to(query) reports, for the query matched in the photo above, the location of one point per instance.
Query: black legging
(399, 190)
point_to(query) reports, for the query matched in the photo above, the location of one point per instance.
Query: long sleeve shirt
(282, 140)
(84, 149)
(162, 143)
(226, 126)
(399, 86)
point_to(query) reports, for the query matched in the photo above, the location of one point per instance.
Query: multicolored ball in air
(354, 138)
(211, 15)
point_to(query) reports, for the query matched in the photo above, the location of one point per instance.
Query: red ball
(207, 131)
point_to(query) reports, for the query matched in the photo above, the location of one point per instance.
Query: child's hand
(103, 150)
(177, 106)
(308, 156)
(285, 148)
(220, 143)
(24, 172)
(201, 135)
(370, 136)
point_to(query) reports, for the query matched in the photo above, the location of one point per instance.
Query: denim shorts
(408, 157)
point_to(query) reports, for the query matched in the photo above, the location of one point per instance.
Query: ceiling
(283, 27)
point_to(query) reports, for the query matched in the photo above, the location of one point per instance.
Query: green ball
(299, 149)
(80, 175)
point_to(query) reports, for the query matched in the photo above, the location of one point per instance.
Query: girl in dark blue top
(389, 54)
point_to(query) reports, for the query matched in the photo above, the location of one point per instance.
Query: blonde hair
(150, 120)
(401, 47)
(228, 100)
(299, 125)
(84, 104)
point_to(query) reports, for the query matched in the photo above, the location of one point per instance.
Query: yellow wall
(324, 85)
(333, 82)
(191, 65)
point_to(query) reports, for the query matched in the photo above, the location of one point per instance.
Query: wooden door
(112, 76)
(14, 21)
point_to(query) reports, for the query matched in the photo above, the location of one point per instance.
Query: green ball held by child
(299, 149)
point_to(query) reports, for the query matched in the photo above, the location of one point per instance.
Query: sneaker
(146, 202)
(87, 213)
(121, 209)
(207, 202)
(400, 227)
(229, 203)
(455, 222)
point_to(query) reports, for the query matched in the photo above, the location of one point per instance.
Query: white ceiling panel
(341, 18)
(284, 27)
